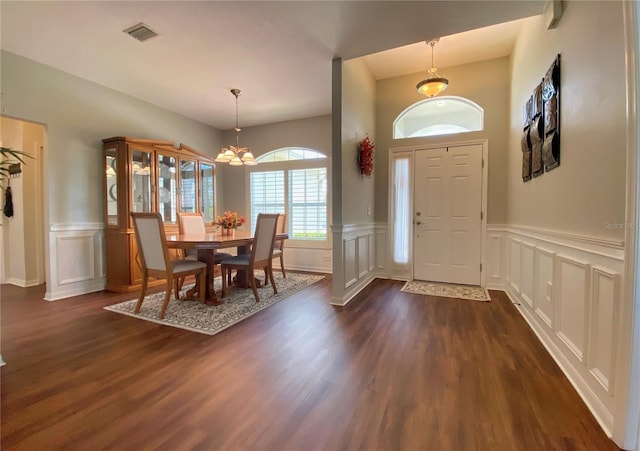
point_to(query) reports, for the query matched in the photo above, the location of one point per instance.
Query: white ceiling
(278, 52)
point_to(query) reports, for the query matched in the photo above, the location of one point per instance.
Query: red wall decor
(365, 156)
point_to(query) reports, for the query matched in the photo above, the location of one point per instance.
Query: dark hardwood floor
(391, 371)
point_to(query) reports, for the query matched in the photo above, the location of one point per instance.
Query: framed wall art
(540, 142)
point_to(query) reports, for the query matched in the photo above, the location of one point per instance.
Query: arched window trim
(264, 158)
(411, 107)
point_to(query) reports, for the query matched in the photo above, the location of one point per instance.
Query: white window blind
(308, 204)
(267, 194)
(293, 181)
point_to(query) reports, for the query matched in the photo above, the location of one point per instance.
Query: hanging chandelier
(236, 155)
(433, 84)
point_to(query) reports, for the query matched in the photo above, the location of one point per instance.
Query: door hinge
(480, 267)
(481, 215)
(483, 162)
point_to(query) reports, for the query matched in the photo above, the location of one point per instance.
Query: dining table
(206, 244)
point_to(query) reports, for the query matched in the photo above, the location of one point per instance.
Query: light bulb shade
(251, 163)
(235, 162)
(221, 158)
(432, 86)
(248, 156)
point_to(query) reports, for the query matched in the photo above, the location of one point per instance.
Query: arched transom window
(439, 116)
(289, 154)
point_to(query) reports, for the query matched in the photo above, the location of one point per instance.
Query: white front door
(447, 214)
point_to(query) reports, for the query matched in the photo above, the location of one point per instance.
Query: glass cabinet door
(167, 185)
(206, 192)
(140, 181)
(188, 186)
(111, 193)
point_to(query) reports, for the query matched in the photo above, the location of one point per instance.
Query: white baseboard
(353, 292)
(23, 283)
(76, 290)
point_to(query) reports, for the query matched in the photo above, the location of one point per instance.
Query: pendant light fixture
(236, 155)
(433, 84)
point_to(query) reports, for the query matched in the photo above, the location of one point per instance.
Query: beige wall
(586, 192)
(487, 84)
(313, 133)
(78, 114)
(358, 120)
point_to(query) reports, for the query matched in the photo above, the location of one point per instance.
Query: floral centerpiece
(365, 156)
(230, 220)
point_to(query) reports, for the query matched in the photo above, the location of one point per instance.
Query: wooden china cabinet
(144, 175)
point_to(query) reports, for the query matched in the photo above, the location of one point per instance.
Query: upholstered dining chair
(260, 256)
(156, 261)
(193, 223)
(278, 245)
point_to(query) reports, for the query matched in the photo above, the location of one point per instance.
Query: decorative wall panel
(494, 258)
(363, 256)
(516, 261)
(350, 262)
(545, 269)
(573, 276)
(77, 260)
(603, 320)
(79, 268)
(526, 273)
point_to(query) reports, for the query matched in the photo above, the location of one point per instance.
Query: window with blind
(292, 181)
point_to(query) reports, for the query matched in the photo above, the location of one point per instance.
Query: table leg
(206, 256)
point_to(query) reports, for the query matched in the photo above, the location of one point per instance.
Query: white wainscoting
(76, 260)
(568, 289)
(305, 259)
(360, 249)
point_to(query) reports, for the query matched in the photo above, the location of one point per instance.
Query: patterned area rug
(239, 304)
(447, 290)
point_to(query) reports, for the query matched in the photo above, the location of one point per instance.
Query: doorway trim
(40, 198)
(405, 272)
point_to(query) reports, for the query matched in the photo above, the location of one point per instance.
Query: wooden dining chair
(260, 256)
(156, 261)
(193, 223)
(278, 245)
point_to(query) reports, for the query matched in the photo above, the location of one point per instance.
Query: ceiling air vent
(141, 32)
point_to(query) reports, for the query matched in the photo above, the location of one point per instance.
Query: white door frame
(485, 172)
(626, 431)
